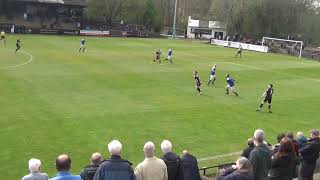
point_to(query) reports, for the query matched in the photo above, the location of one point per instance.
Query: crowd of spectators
(286, 160)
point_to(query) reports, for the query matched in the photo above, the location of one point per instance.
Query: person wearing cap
(173, 162)
(35, 174)
(88, 172)
(309, 155)
(260, 156)
(189, 165)
(115, 168)
(63, 166)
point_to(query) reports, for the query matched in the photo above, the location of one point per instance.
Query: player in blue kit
(82, 45)
(197, 81)
(267, 98)
(231, 85)
(212, 75)
(170, 54)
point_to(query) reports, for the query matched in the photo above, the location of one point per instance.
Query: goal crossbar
(285, 40)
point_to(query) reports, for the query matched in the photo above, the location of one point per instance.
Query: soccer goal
(291, 46)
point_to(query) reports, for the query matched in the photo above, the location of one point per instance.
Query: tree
(149, 14)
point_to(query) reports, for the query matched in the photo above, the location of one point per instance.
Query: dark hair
(280, 136)
(286, 148)
(290, 135)
(63, 164)
(271, 85)
(251, 142)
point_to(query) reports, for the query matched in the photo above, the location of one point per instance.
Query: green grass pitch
(55, 100)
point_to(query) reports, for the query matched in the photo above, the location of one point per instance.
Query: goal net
(286, 46)
(168, 31)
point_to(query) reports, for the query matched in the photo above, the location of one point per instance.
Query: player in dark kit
(239, 52)
(82, 45)
(18, 46)
(267, 98)
(197, 81)
(158, 56)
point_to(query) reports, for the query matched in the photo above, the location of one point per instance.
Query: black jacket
(260, 158)
(88, 172)
(189, 165)
(310, 152)
(173, 164)
(246, 152)
(115, 168)
(281, 168)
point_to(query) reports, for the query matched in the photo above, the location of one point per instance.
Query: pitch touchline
(22, 64)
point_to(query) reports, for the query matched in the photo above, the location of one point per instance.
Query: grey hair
(149, 149)
(166, 146)
(300, 134)
(34, 165)
(244, 165)
(115, 147)
(259, 135)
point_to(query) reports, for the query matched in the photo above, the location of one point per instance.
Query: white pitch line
(22, 64)
(219, 156)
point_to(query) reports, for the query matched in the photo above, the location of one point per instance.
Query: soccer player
(230, 85)
(267, 97)
(158, 56)
(170, 53)
(197, 81)
(212, 75)
(239, 52)
(3, 36)
(82, 45)
(18, 46)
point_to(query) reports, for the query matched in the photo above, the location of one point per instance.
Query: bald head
(63, 163)
(185, 152)
(96, 158)
(149, 149)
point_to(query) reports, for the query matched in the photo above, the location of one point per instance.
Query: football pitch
(55, 100)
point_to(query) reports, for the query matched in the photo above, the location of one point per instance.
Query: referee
(267, 98)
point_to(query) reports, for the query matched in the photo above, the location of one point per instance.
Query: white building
(206, 29)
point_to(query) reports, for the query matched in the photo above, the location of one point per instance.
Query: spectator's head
(243, 165)
(314, 133)
(166, 146)
(149, 149)
(300, 135)
(63, 163)
(280, 136)
(250, 142)
(96, 158)
(34, 165)
(115, 147)
(258, 136)
(290, 135)
(185, 152)
(286, 147)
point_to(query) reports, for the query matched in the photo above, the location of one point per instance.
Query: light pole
(174, 20)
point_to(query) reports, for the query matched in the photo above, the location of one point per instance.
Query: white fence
(250, 47)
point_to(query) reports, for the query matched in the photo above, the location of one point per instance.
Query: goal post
(264, 39)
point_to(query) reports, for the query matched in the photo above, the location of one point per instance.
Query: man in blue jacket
(63, 164)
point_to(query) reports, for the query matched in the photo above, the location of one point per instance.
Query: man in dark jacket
(260, 157)
(88, 172)
(115, 168)
(173, 162)
(309, 155)
(189, 165)
(246, 152)
(276, 147)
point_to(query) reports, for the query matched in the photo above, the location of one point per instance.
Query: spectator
(63, 165)
(152, 168)
(35, 174)
(115, 168)
(295, 143)
(88, 172)
(309, 155)
(260, 157)
(172, 161)
(246, 151)
(242, 170)
(276, 147)
(189, 165)
(302, 140)
(283, 162)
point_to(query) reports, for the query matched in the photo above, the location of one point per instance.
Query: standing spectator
(246, 152)
(309, 155)
(242, 170)
(295, 143)
(276, 147)
(115, 168)
(63, 165)
(35, 174)
(260, 157)
(152, 168)
(283, 162)
(189, 165)
(172, 161)
(88, 172)
(302, 140)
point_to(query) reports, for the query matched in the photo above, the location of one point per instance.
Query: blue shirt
(65, 175)
(213, 71)
(230, 82)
